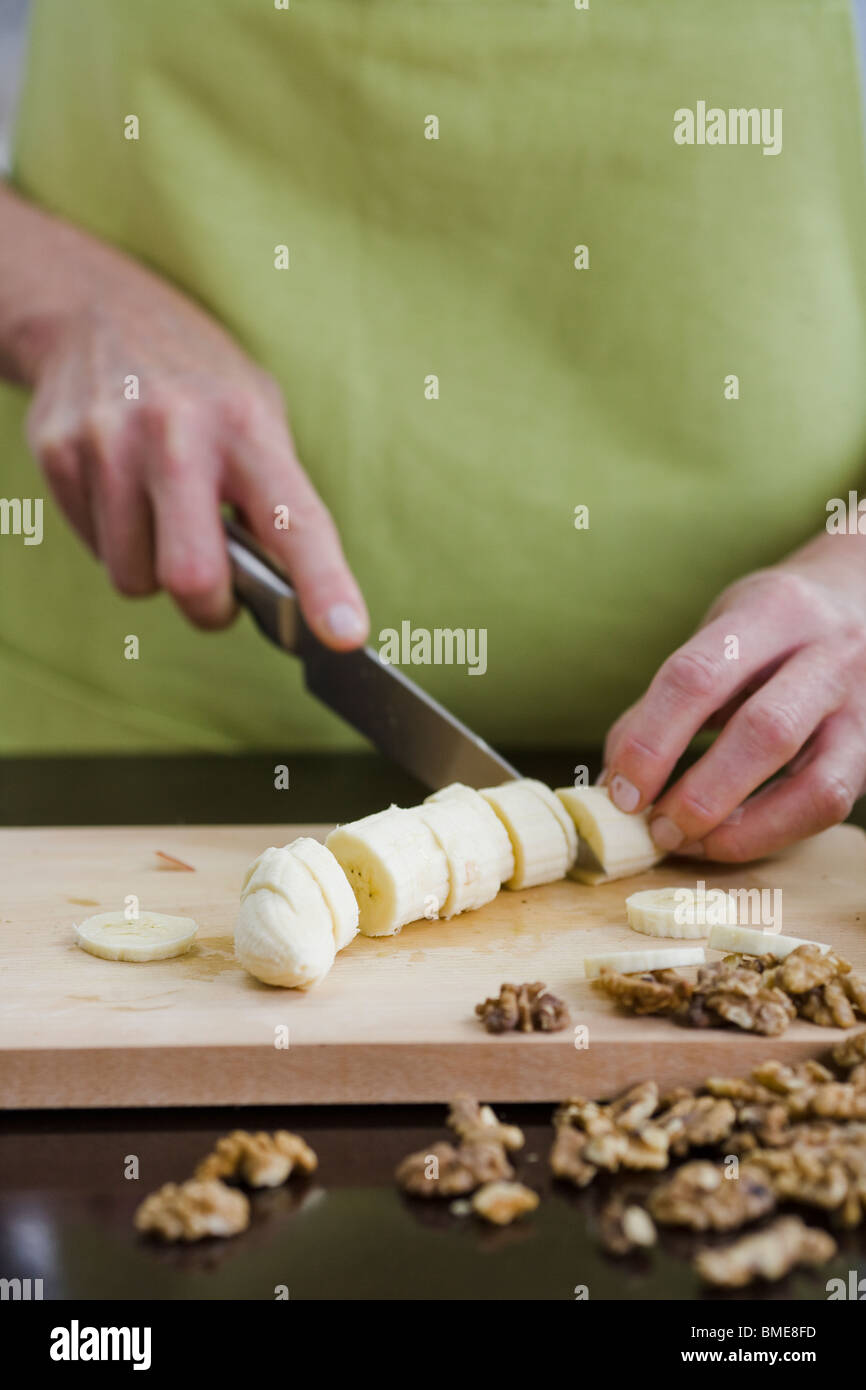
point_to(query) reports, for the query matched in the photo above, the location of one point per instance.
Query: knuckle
(633, 751)
(698, 812)
(772, 727)
(692, 673)
(831, 797)
(191, 577)
(59, 459)
(244, 411)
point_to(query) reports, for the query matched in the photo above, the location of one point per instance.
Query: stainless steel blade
(376, 699)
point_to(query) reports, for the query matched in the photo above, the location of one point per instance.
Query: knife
(375, 698)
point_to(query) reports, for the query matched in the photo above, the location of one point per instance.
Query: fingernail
(693, 851)
(344, 621)
(623, 794)
(665, 833)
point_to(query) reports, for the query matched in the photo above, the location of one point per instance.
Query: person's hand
(142, 480)
(780, 664)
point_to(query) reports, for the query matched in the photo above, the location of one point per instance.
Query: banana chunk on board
(612, 844)
(679, 912)
(149, 936)
(639, 962)
(753, 942)
(543, 840)
(297, 910)
(396, 867)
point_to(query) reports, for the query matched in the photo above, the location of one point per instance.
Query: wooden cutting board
(394, 1019)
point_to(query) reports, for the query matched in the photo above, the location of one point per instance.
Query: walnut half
(193, 1210)
(768, 1254)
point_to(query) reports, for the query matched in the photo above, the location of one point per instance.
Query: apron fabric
(413, 257)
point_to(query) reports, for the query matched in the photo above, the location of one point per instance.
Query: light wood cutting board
(394, 1019)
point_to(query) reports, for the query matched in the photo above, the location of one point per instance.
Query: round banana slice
(334, 885)
(473, 854)
(638, 962)
(542, 850)
(612, 843)
(396, 867)
(753, 942)
(679, 912)
(149, 936)
(458, 790)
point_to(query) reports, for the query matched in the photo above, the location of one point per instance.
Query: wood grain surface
(393, 1022)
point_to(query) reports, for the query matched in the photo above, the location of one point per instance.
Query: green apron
(413, 257)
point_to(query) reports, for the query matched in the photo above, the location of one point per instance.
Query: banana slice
(638, 962)
(335, 887)
(496, 829)
(473, 853)
(285, 932)
(543, 852)
(396, 867)
(612, 844)
(753, 942)
(151, 936)
(679, 912)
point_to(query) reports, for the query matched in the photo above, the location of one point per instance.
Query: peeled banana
(471, 847)
(297, 911)
(543, 842)
(149, 936)
(679, 912)
(397, 869)
(639, 962)
(495, 828)
(753, 942)
(612, 844)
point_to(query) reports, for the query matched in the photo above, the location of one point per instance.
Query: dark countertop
(66, 1202)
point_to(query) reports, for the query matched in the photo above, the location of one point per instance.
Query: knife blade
(394, 713)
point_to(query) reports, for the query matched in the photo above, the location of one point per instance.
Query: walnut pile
(701, 1197)
(193, 1210)
(768, 1254)
(799, 1133)
(503, 1202)
(446, 1171)
(258, 1160)
(478, 1164)
(206, 1205)
(756, 993)
(526, 1008)
(637, 1131)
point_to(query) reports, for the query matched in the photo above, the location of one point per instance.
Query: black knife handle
(261, 586)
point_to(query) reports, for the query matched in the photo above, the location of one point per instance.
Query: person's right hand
(142, 480)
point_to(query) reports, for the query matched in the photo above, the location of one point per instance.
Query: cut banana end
(285, 931)
(753, 942)
(612, 844)
(473, 853)
(679, 912)
(150, 936)
(496, 830)
(543, 852)
(396, 867)
(638, 962)
(335, 886)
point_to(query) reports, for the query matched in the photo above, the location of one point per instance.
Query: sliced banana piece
(679, 912)
(753, 942)
(612, 844)
(542, 849)
(396, 867)
(638, 962)
(284, 933)
(473, 853)
(496, 829)
(335, 887)
(149, 936)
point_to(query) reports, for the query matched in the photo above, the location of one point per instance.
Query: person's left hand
(790, 694)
